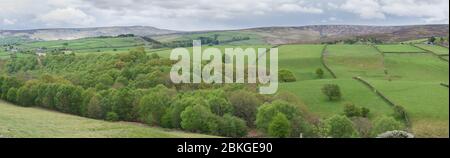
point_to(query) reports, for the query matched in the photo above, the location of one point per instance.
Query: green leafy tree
(123, 105)
(231, 126)
(332, 91)
(267, 112)
(279, 126)
(94, 108)
(153, 106)
(112, 116)
(11, 95)
(68, 99)
(286, 76)
(196, 119)
(385, 124)
(245, 105)
(340, 127)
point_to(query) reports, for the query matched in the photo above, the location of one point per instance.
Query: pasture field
(352, 91)
(408, 79)
(87, 44)
(425, 102)
(349, 61)
(222, 36)
(165, 53)
(416, 67)
(436, 49)
(302, 60)
(399, 48)
(22, 122)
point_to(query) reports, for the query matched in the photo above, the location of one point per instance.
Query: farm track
(323, 54)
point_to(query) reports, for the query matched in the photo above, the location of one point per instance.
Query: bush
(197, 118)
(332, 91)
(286, 76)
(267, 112)
(231, 126)
(112, 116)
(350, 110)
(339, 127)
(11, 95)
(400, 112)
(279, 126)
(319, 73)
(384, 124)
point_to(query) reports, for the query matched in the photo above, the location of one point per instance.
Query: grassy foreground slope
(22, 122)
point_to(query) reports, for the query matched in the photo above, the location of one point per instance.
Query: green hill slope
(22, 122)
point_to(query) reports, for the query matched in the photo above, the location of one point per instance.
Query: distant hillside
(266, 35)
(77, 33)
(324, 33)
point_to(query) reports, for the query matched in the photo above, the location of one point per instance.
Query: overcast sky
(218, 14)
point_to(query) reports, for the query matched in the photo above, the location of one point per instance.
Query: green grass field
(399, 48)
(425, 102)
(352, 92)
(302, 60)
(435, 49)
(348, 61)
(22, 122)
(222, 36)
(416, 67)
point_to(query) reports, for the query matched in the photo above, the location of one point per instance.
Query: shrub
(197, 118)
(267, 112)
(231, 126)
(279, 126)
(350, 110)
(384, 124)
(332, 91)
(286, 76)
(11, 95)
(112, 116)
(339, 127)
(319, 73)
(400, 112)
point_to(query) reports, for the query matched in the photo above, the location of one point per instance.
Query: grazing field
(87, 44)
(22, 122)
(352, 92)
(302, 60)
(416, 67)
(348, 61)
(165, 53)
(401, 48)
(224, 37)
(425, 102)
(436, 49)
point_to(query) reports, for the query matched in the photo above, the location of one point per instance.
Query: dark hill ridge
(322, 33)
